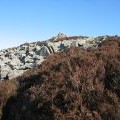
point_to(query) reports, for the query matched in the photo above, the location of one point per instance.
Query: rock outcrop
(15, 61)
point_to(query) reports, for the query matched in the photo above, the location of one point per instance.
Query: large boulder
(15, 73)
(29, 65)
(4, 70)
(38, 62)
(44, 51)
(15, 63)
(29, 59)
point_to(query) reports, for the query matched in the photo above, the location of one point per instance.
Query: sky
(36, 20)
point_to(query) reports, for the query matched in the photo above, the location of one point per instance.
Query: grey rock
(44, 51)
(4, 71)
(29, 65)
(29, 59)
(15, 73)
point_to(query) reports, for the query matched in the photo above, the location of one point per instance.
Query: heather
(75, 84)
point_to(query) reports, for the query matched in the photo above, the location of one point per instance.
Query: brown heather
(75, 84)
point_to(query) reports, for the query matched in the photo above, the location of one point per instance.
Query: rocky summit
(74, 84)
(15, 61)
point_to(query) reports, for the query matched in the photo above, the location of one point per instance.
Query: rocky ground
(15, 61)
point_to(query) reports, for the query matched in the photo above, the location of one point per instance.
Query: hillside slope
(75, 84)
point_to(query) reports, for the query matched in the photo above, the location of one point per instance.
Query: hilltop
(74, 84)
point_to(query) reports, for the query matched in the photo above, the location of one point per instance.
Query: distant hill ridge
(15, 61)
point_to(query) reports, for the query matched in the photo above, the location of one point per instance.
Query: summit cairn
(60, 36)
